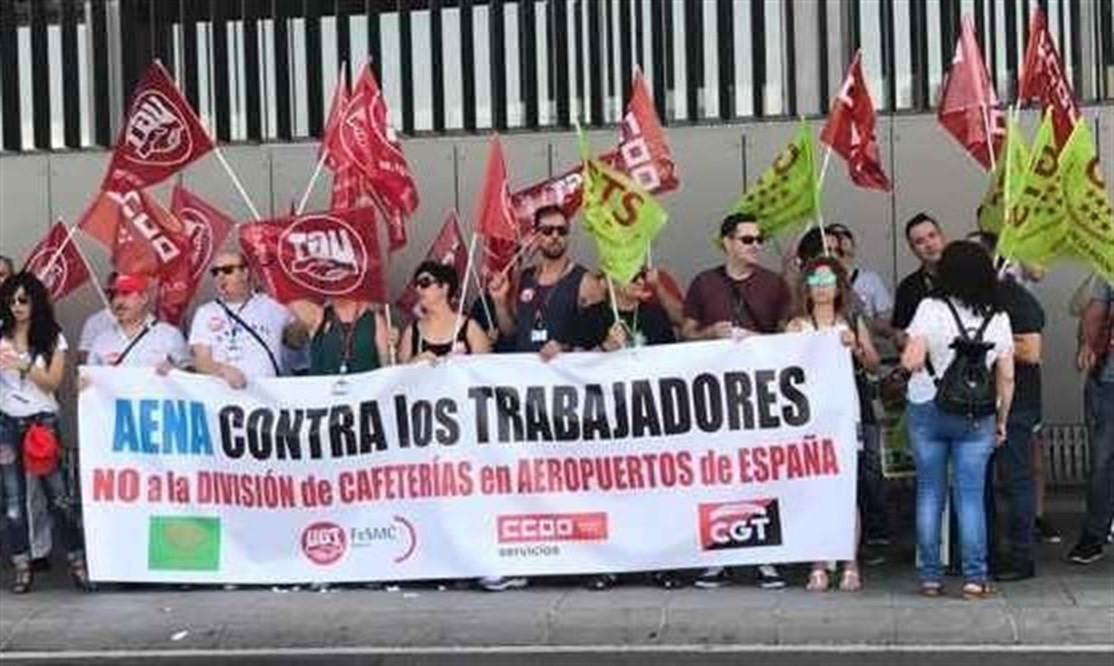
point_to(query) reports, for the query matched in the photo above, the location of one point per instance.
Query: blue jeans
(1098, 398)
(63, 508)
(936, 438)
(1015, 462)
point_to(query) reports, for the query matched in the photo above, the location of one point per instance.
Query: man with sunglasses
(136, 338)
(239, 336)
(736, 299)
(545, 312)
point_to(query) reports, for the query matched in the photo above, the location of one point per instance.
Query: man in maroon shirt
(740, 295)
(737, 299)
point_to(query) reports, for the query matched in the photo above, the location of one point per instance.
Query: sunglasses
(821, 280)
(747, 239)
(549, 230)
(424, 282)
(20, 300)
(225, 270)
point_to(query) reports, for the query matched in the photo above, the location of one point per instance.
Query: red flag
(850, 130)
(968, 103)
(643, 154)
(494, 216)
(175, 291)
(347, 187)
(368, 140)
(1043, 79)
(448, 248)
(160, 136)
(315, 255)
(205, 227)
(57, 262)
(497, 255)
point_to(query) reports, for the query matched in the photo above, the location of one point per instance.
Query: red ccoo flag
(494, 216)
(448, 248)
(57, 262)
(316, 255)
(1043, 80)
(160, 136)
(643, 154)
(205, 227)
(850, 130)
(968, 103)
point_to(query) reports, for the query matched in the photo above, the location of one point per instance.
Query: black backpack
(967, 387)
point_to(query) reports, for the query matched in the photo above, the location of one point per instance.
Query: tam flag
(850, 130)
(1092, 217)
(623, 218)
(1014, 159)
(316, 255)
(448, 248)
(368, 141)
(643, 154)
(57, 262)
(968, 103)
(205, 226)
(494, 216)
(788, 192)
(1043, 79)
(1035, 230)
(161, 135)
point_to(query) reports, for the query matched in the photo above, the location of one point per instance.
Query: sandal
(932, 588)
(818, 581)
(21, 583)
(852, 580)
(977, 591)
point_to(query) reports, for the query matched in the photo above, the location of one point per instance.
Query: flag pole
(312, 182)
(483, 297)
(816, 197)
(614, 301)
(464, 291)
(61, 248)
(89, 267)
(989, 135)
(238, 184)
(518, 254)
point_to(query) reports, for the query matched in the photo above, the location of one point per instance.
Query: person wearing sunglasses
(824, 304)
(136, 338)
(641, 321)
(239, 335)
(32, 364)
(736, 299)
(544, 314)
(437, 332)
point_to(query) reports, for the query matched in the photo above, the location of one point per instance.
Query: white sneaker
(501, 583)
(769, 578)
(711, 578)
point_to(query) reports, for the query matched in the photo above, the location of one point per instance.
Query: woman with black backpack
(960, 356)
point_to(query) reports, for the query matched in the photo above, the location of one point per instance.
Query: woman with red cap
(32, 363)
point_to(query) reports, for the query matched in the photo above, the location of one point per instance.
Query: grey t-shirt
(1103, 292)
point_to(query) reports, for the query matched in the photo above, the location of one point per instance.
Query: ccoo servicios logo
(742, 524)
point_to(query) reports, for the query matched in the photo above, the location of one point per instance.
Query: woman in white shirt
(967, 285)
(32, 362)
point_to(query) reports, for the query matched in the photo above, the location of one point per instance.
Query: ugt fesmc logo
(324, 254)
(324, 543)
(548, 527)
(742, 524)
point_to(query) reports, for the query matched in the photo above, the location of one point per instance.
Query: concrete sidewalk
(1065, 606)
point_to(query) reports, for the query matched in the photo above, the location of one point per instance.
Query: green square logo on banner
(183, 543)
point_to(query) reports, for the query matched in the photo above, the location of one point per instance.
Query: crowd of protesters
(557, 306)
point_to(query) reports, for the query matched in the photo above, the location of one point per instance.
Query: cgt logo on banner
(743, 524)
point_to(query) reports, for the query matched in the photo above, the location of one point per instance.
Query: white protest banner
(711, 453)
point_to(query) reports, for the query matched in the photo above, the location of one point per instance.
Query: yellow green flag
(1015, 155)
(1091, 230)
(788, 193)
(1035, 230)
(620, 215)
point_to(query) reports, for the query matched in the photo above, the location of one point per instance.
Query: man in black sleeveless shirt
(545, 313)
